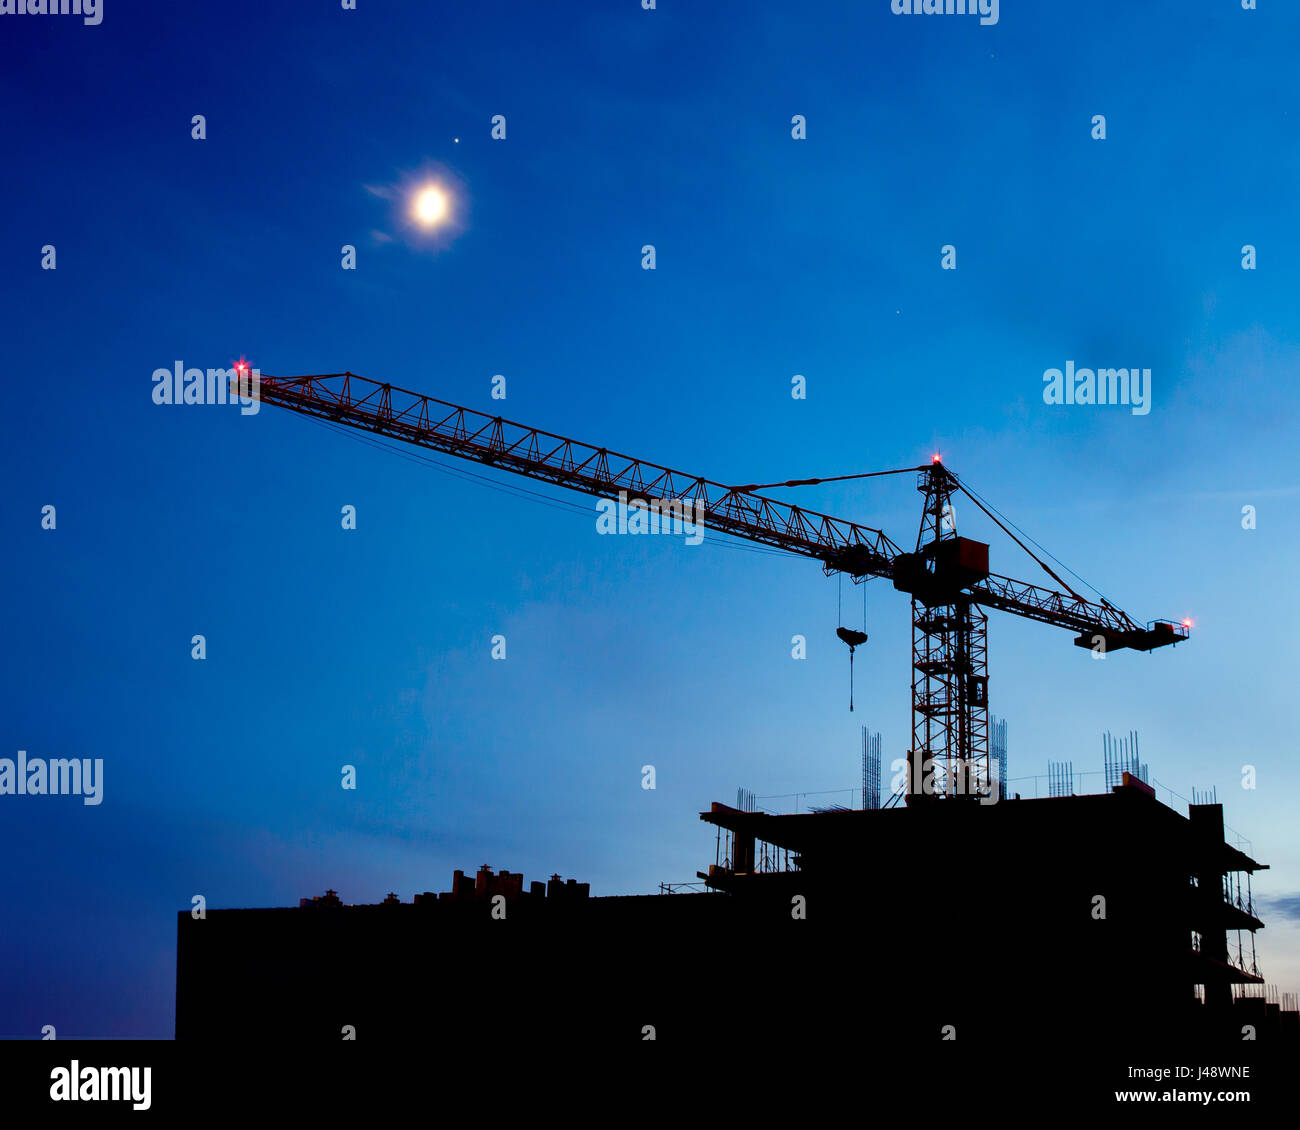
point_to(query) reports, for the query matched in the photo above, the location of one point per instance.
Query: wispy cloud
(1286, 906)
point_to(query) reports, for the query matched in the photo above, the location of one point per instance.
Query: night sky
(773, 257)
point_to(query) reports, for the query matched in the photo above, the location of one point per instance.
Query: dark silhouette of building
(1076, 920)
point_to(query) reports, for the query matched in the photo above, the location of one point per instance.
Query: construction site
(957, 909)
(1130, 930)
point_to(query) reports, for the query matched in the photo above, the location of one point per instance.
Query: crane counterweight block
(1159, 633)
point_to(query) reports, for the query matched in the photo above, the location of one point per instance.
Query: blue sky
(818, 257)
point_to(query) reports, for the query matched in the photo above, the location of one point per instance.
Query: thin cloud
(1285, 906)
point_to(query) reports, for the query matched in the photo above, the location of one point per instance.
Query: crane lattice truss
(947, 576)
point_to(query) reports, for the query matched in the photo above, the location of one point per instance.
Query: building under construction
(964, 916)
(1106, 920)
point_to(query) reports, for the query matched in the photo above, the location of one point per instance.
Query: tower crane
(947, 576)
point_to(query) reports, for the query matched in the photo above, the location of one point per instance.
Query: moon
(430, 207)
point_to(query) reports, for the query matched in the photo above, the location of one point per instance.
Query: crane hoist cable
(853, 638)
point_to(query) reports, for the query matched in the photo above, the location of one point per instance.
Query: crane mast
(946, 576)
(950, 718)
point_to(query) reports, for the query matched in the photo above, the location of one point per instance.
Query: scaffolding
(748, 855)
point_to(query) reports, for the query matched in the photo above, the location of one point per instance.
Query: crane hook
(853, 639)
